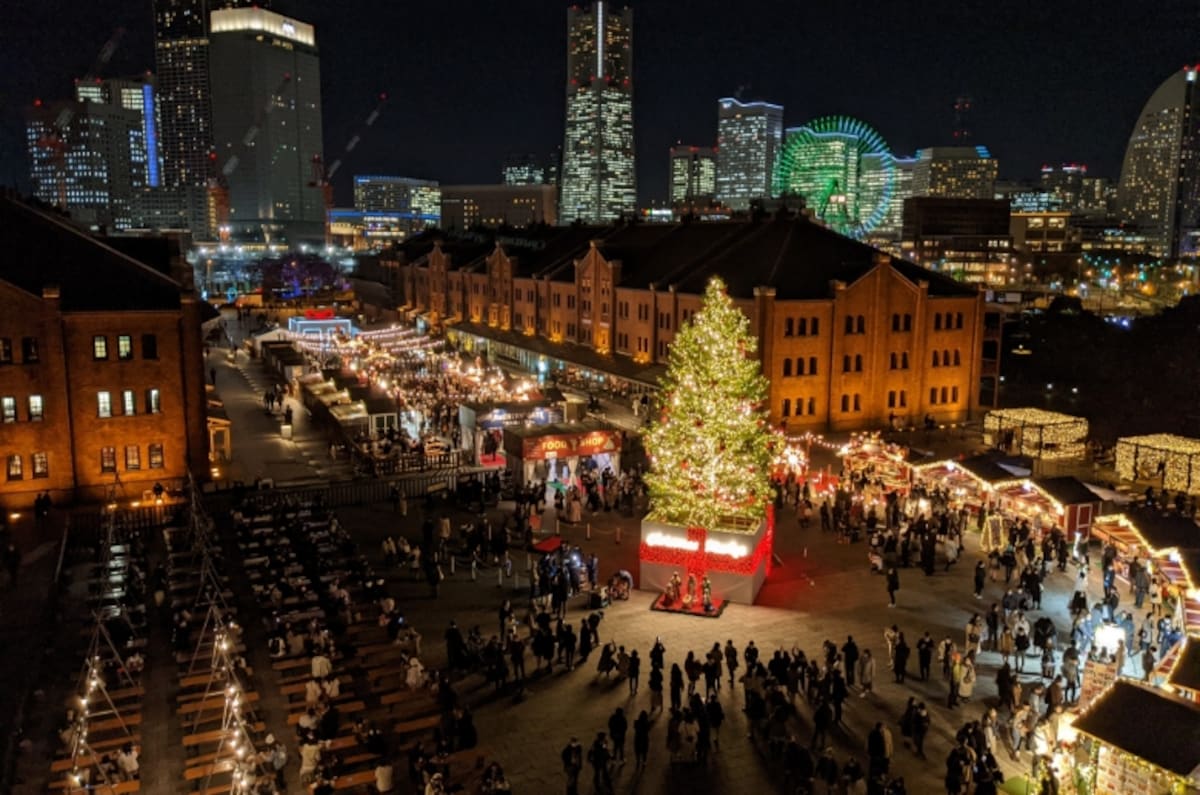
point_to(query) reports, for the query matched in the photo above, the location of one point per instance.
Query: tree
(710, 449)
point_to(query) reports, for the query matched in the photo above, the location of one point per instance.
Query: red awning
(548, 545)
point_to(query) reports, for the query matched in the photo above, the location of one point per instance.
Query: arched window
(800, 365)
(904, 360)
(846, 364)
(893, 361)
(787, 407)
(812, 365)
(845, 402)
(907, 322)
(814, 327)
(812, 406)
(937, 322)
(787, 367)
(857, 402)
(936, 359)
(849, 324)
(957, 361)
(860, 325)
(858, 362)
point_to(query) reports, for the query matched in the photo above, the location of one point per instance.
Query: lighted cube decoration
(711, 452)
(1039, 434)
(1176, 459)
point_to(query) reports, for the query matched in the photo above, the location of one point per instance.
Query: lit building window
(8, 405)
(104, 404)
(41, 465)
(37, 409)
(15, 471)
(124, 347)
(155, 454)
(108, 459)
(99, 347)
(128, 403)
(153, 401)
(133, 457)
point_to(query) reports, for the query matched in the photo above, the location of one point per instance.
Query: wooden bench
(344, 708)
(362, 778)
(212, 736)
(417, 725)
(216, 702)
(208, 769)
(202, 680)
(110, 743)
(299, 688)
(377, 675)
(115, 722)
(120, 788)
(390, 700)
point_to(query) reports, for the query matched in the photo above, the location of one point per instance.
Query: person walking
(716, 716)
(920, 728)
(879, 752)
(893, 585)
(641, 738)
(572, 759)
(980, 578)
(634, 672)
(656, 689)
(676, 686)
(731, 662)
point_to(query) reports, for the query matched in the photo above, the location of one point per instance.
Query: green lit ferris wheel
(842, 168)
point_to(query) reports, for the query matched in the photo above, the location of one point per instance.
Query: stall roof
(1165, 530)
(985, 468)
(560, 428)
(377, 404)
(349, 412)
(1030, 416)
(1174, 746)
(1066, 490)
(573, 355)
(1186, 672)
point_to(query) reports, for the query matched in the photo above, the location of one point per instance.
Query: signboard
(569, 445)
(323, 313)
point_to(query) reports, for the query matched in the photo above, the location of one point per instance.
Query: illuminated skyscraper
(956, 172)
(693, 174)
(94, 157)
(1160, 178)
(181, 62)
(266, 111)
(598, 177)
(749, 136)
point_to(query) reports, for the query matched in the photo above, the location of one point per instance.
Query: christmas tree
(710, 450)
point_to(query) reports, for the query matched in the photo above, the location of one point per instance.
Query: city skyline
(1058, 78)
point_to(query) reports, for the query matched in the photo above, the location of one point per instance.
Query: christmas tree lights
(710, 449)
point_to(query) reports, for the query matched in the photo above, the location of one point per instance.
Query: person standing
(879, 752)
(716, 716)
(731, 661)
(634, 672)
(980, 578)
(893, 585)
(850, 657)
(656, 689)
(618, 727)
(920, 728)
(572, 759)
(599, 757)
(925, 655)
(676, 686)
(641, 736)
(866, 672)
(902, 652)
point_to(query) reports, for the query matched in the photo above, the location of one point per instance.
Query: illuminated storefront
(556, 452)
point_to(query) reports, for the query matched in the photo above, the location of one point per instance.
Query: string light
(1175, 455)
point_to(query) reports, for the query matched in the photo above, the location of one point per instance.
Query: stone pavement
(822, 590)
(259, 449)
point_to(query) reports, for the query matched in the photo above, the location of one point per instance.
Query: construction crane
(322, 176)
(218, 184)
(54, 139)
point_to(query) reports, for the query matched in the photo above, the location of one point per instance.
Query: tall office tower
(961, 172)
(181, 61)
(266, 111)
(598, 177)
(884, 182)
(95, 155)
(1160, 178)
(523, 170)
(749, 137)
(962, 119)
(693, 174)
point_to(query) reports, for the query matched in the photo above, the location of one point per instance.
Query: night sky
(470, 82)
